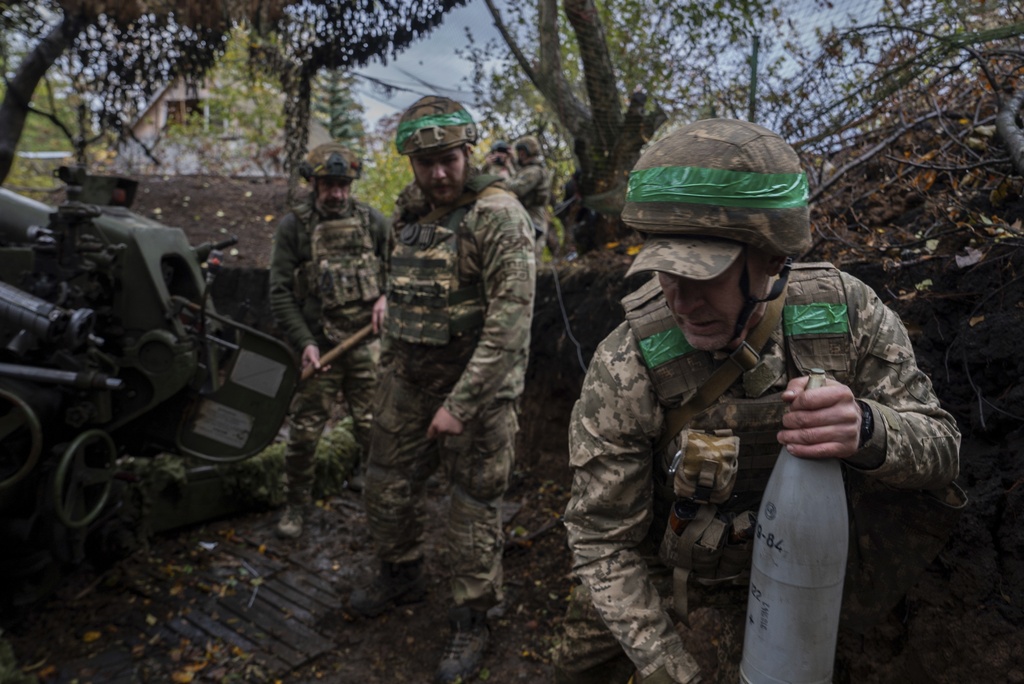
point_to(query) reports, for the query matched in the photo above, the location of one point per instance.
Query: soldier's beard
(331, 207)
(444, 192)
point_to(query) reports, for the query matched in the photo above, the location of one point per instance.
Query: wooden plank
(235, 634)
(283, 627)
(312, 586)
(263, 563)
(290, 601)
(114, 666)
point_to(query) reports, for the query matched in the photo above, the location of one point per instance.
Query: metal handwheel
(17, 418)
(84, 479)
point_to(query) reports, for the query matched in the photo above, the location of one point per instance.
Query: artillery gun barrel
(18, 214)
(83, 380)
(44, 320)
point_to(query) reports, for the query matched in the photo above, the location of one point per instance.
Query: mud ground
(962, 622)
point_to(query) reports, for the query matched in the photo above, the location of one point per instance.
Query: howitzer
(110, 348)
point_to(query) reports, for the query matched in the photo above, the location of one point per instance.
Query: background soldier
(499, 160)
(532, 185)
(327, 274)
(461, 296)
(722, 204)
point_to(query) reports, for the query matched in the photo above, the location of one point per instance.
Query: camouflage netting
(259, 481)
(252, 484)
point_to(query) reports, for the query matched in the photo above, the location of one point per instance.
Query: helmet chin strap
(750, 302)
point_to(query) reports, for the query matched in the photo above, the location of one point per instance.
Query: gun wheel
(84, 478)
(19, 428)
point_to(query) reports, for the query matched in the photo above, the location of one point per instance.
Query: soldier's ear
(775, 264)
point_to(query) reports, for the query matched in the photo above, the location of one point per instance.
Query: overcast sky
(429, 66)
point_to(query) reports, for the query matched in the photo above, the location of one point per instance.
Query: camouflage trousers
(477, 463)
(587, 653)
(354, 376)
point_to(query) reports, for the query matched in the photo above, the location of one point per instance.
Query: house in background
(222, 150)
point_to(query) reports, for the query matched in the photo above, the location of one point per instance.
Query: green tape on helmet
(408, 128)
(720, 187)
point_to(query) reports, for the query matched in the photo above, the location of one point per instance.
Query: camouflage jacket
(294, 300)
(493, 254)
(532, 185)
(619, 417)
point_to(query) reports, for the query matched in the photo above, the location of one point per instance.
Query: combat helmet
(331, 159)
(434, 124)
(528, 144)
(721, 178)
(500, 146)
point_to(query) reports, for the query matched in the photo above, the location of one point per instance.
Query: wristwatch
(867, 424)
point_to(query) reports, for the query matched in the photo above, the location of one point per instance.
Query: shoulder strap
(467, 197)
(744, 358)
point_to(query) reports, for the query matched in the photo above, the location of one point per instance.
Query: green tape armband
(719, 187)
(664, 346)
(815, 319)
(407, 129)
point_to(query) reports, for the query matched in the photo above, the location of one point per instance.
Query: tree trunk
(606, 139)
(1010, 132)
(17, 101)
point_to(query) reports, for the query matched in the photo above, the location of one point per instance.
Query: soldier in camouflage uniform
(457, 337)
(327, 276)
(499, 161)
(722, 205)
(532, 185)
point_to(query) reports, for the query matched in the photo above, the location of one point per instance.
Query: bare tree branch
(1010, 132)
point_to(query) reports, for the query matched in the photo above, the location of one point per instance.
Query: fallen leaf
(91, 636)
(975, 320)
(972, 257)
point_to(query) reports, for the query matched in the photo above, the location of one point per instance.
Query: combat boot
(290, 524)
(396, 585)
(465, 652)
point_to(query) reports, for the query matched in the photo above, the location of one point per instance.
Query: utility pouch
(698, 545)
(704, 467)
(736, 555)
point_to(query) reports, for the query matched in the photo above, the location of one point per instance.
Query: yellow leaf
(633, 250)
(91, 636)
(975, 320)
(150, 619)
(268, 218)
(182, 677)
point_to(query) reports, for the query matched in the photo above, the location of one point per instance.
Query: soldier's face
(442, 176)
(706, 310)
(332, 192)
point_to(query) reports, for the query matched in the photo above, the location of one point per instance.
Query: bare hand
(821, 423)
(380, 312)
(311, 358)
(444, 423)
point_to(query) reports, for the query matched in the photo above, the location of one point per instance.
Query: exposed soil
(962, 622)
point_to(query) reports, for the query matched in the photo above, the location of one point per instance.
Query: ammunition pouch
(347, 271)
(713, 547)
(704, 468)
